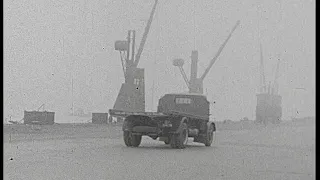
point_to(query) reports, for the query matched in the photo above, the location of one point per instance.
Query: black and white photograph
(159, 90)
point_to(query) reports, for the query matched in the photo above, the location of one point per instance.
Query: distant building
(100, 118)
(38, 117)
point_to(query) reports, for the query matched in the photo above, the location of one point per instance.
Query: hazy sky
(45, 42)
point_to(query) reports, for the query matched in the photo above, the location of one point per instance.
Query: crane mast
(262, 76)
(194, 72)
(275, 82)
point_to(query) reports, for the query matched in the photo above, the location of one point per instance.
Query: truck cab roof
(185, 94)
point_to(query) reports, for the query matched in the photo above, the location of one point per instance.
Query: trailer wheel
(180, 140)
(127, 136)
(136, 140)
(209, 136)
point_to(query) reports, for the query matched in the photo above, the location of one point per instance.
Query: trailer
(179, 116)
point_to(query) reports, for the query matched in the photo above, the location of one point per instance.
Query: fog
(46, 43)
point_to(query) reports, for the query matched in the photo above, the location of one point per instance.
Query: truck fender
(127, 124)
(183, 120)
(213, 124)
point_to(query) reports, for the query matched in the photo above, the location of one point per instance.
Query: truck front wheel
(209, 136)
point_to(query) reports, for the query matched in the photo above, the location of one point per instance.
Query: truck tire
(209, 136)
(180, 140)
(136, 140)
(127, 138)
(131, 140)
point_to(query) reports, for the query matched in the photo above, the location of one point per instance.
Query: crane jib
(219, 51)
(145, 35)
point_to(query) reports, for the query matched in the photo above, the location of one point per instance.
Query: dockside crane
(131, 96)
(195, 84)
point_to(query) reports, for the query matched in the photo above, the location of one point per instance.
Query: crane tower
(131, 96)
(195, 84)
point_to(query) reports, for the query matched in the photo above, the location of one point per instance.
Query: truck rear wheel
(209, 136)
(136, 140)
(131, 140)
(180, 140)
(127, 138)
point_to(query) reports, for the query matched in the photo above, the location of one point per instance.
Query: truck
(179, 117)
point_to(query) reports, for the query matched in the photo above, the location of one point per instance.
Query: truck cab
(195, 104)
